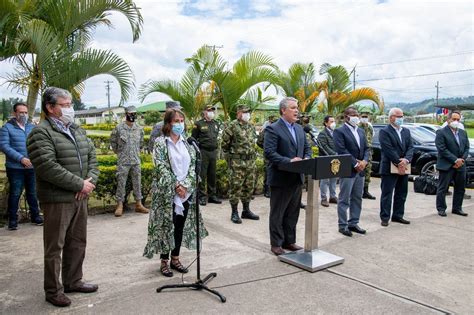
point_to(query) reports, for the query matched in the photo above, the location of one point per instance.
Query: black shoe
(367, 195)
(214, 200)
(357, 229)
(466, 196)
(235, 217)
(37, 220)
(202, 202)
(324, 203)
(266, 194)
(12, 227)
(442, 213)
(247, 214)
(460, 212)
(302, 206)
(400, 220)
(384, 223)
(345, 232)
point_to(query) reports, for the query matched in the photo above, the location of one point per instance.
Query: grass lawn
(470, 132)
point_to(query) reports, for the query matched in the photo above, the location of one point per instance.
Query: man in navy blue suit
(397, 149)
(453, 148)
(285, 142)
(349, 139)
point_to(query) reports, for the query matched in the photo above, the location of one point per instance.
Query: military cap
(243, 108)
(365, 110)
(173, 104)
(130, 109)
(210, 107)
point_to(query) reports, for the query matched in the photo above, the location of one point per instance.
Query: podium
(311, 258)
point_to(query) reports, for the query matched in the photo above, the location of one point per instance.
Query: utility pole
(107, 87)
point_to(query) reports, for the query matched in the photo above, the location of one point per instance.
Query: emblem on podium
(335, 166)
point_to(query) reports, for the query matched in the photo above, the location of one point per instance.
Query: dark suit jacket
(448, 148)
(326, 143)
(347, 144)
(279, 147)
(392, 149)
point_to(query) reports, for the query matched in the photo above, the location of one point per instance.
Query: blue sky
(429, 36)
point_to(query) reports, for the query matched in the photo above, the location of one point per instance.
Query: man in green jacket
(66, 173)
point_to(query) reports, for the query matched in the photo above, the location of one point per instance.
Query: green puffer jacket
(55, 157)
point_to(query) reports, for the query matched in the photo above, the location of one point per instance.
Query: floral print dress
(160, 224)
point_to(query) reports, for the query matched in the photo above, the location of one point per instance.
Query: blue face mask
(177, 128)
(398, 121)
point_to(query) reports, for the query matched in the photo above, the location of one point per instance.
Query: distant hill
(427, 106)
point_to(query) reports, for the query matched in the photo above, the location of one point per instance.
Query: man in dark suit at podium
(397, 149)
(349, 139)
(453, 149)
(285, 142)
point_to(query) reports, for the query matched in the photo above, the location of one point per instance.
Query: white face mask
(364, 120)
(210, 115)
(354, 120)
(332, 125)
(246, 117)
(454, 124)
(67, 115)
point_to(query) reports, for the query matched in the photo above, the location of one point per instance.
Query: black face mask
(131, 117)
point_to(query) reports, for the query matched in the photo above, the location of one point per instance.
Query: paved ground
(426, 267)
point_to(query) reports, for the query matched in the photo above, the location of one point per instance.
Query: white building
(99, 115)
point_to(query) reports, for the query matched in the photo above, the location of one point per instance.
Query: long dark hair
(170, 114)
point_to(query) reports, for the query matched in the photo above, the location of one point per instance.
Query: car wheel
(430, 169)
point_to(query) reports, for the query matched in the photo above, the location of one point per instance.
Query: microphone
(194, 143)
(308, 130)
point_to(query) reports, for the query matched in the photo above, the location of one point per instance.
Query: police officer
(156, 132)
(238, 143)
(126, 141)
(205, 131)
(369, 134)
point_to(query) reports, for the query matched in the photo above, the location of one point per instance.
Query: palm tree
(300, 83)
(48, 41)
(338, 93)
(207, 81)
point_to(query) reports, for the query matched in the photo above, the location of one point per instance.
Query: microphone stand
(200, 284)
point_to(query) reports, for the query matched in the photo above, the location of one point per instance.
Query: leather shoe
(466, 196)
(83, 288)
(333, 200)
(384, 223)
(302, 205)
(345, 232)
(400, 220)
(368, 195)
(324, 203)
(277, 250)
(460, 212)
(292, 247)
(357, 229)
(202, 202)
(442, 213)
(59, 300)
(214, 200)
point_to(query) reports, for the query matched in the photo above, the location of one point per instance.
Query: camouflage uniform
(369, 134)
(126, 142)
(238, 142)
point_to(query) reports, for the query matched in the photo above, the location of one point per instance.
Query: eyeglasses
(67, 105)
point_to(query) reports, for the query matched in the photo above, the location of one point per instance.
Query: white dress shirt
(355, 133)
(399, 131)
(180, 161)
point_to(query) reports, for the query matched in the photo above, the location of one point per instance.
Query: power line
(418, 59)
(417, 75)
(418, 90)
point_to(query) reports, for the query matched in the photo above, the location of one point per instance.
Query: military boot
(140, 208)
(235, 214)
(367, 195)
(247, 214)
(119, 209)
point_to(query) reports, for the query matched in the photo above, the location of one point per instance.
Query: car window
(421, 135)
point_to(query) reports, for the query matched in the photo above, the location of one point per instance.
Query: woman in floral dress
(172, 220)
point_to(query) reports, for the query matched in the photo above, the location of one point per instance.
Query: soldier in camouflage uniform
(369, 134)
(156, 132)
(238, 142)
(205, 131)
(126, 140)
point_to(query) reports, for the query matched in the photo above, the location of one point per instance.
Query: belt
(242, 156)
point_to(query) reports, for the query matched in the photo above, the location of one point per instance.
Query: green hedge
(102, 143)
(110, 127)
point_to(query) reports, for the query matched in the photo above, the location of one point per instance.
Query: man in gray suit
(453, 148)
(327, 147)
(285, 142)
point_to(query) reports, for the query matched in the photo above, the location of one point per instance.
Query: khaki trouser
(65, 232)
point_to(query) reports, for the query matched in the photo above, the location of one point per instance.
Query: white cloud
(338, 32)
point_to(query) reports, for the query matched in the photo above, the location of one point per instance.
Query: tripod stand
(200, 284)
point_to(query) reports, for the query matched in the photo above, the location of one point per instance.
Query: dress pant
(350, 197)
(390, 183)
(65, 232)
(178, 224)
(284, 213)
(208, 174)
(325, 184)
(445, 178)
